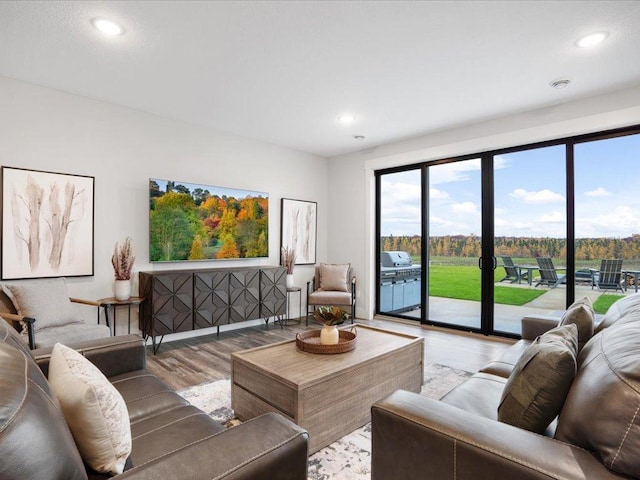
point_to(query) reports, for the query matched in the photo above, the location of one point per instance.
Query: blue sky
(530, 193)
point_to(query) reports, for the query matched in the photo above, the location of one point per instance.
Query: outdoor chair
(513, 273)
(332, 285)
(609, 277)
(548, 273)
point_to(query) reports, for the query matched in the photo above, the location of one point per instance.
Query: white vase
(329, 335)
(289, 280)
(122, 289)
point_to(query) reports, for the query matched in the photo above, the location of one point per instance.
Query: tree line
(470, 246)
(198, 225)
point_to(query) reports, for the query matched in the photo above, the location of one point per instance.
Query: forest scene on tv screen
(202, 222)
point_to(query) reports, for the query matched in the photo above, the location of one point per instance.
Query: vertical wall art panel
(47, 224)
(299, 220)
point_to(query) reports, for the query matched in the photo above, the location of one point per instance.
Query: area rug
(346, 459)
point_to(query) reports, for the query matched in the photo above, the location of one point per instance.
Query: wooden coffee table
(328, 395)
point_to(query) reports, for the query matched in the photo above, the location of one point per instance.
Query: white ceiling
(283, 71)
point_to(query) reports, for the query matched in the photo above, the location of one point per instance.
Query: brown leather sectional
(596, 435)
(171, 438)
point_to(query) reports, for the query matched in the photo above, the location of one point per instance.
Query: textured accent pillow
(334, 277)
(581, 314)
(94, 410)
(45, 300)
(538, 385)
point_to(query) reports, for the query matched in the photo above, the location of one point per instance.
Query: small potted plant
(122, 261)
(288, 262)
(330, 317)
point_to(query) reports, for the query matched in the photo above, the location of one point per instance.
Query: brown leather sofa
(171, 438)
(596, 435)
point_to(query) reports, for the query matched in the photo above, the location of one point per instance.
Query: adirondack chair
(609, 277)
(548, 273)
(513, 273)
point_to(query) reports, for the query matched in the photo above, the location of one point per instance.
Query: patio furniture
(512, 271)
(548, 273)
(609, 277)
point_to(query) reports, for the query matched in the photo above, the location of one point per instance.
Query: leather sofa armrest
(415, 437)
(535, 325)
(268, 447)
(112, 355)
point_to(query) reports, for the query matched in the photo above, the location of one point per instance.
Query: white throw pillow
(94, 410)
(334, 277)
(45, 300)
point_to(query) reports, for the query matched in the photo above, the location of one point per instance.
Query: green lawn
(602, 304)
(463, 282)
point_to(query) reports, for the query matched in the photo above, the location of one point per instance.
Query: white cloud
(599, 192)
(453, 172)
(553, 217)
(435, 194)
(464, 208)
(500, 162)
(541, 196)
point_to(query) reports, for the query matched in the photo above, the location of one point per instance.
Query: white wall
(45, 129)
(352, 193)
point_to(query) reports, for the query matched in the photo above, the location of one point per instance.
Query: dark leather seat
(171, 438)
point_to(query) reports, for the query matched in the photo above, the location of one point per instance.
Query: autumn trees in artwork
(196, 224)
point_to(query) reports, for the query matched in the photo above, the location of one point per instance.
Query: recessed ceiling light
(106, 26)
(591, 40)
(560, 83)
(360, 138)
(346, 119)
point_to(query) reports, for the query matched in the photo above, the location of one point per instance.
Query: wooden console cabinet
(184, 300)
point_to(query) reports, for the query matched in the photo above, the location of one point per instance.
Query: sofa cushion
(508, 360)
(35, 441)
(479, 395)
(582, 315)
(72, 333)
(95, 411)
(535, 391)
(45, 300)
(334, 277)
(601, 410)
(618, 309)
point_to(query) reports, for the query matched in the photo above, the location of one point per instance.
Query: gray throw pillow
(581, 314)
(45, 300)
(538, 385)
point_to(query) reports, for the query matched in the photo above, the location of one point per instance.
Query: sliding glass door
(530, 228)
(607, 218)
(512, 232)
(454, 226)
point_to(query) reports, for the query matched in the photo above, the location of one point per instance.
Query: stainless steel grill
(400, 283)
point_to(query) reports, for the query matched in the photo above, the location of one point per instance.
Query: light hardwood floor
(184, 363)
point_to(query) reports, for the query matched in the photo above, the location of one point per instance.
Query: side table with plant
(288, 262)
(122, 261)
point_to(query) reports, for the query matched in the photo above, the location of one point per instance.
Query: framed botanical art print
(298, 223)
(47, 224)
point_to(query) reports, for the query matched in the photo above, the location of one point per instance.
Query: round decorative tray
(310, 342)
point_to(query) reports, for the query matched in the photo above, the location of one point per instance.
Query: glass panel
(607, 215)
(530, 235)
(400, 244)
(455, 225)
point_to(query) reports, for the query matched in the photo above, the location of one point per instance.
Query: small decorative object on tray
(309, 341)
(330, 316)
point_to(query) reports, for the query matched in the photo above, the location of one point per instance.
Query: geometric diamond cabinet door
(273, 291)
(172, 302)
(244, 295)
(210, 298)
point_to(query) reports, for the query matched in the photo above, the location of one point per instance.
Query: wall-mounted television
(192, 222)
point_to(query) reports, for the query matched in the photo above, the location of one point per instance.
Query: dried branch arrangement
(122, 260)
(288, 259)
